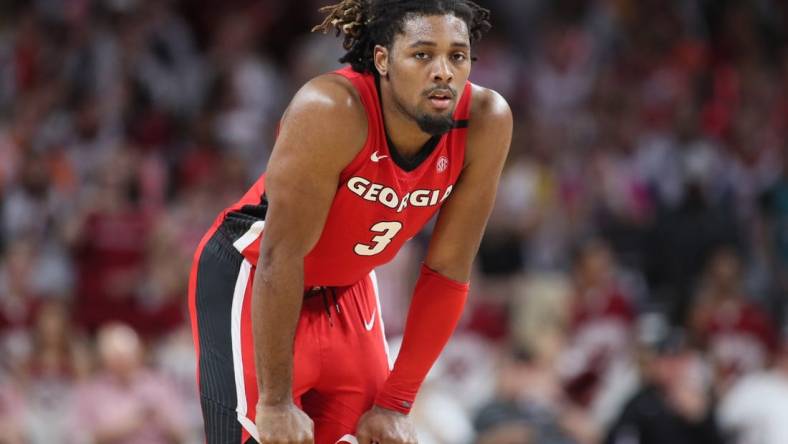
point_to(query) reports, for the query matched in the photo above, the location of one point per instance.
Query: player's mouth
(441, 99)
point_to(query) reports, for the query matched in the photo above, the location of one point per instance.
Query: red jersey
(740, 336)
(381, 199)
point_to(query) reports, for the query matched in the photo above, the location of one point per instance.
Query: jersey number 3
(387, 232)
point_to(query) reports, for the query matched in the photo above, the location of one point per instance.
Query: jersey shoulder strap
(365, 85)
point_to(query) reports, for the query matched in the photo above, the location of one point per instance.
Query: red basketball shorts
(340, 355)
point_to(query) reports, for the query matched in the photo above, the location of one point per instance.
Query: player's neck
(403, 131)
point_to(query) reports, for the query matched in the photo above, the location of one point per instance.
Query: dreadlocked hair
(366, 23)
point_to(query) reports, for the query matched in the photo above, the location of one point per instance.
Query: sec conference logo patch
(442, 164)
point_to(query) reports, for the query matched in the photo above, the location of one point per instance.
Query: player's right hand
(284, 424)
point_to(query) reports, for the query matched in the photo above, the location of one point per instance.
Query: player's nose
(442, 70)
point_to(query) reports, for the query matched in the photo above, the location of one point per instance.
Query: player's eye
(421, 55)
(459, 57)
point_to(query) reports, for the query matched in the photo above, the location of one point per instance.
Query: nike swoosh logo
(371, 323)
(375, 158)
(349, 439)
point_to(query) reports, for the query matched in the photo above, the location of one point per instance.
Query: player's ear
(381, 59)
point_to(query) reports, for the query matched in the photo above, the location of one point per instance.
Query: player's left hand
(383, 426)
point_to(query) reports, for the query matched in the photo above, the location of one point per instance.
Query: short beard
(435, 125)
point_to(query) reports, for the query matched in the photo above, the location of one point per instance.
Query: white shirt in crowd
(755, 410)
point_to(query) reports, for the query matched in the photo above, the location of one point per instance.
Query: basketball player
(283, 297)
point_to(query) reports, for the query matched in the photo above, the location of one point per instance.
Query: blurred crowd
(631, 287)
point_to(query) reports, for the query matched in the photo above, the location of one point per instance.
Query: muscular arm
(463, 217)
(441, 290)
(322, 130)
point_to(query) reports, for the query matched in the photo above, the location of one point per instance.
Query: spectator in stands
(109, 244)
(601, 322)
(531, 406)
(58, 360)
(673, 404)
(738, 335)
(755, 410)
(127, 403)
(774, 207)
(11, 414)
(29, 276)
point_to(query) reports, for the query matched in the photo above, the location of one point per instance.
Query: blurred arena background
(631, 287)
